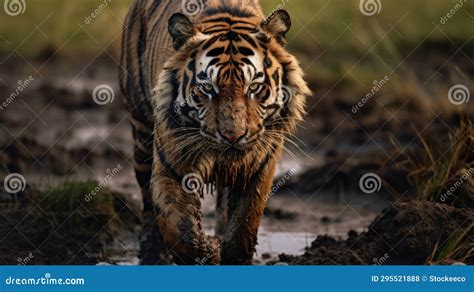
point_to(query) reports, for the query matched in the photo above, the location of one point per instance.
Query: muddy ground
(53, 133)
(42, 227)
(404, 234)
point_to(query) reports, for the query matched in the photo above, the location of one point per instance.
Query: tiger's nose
(232, 136)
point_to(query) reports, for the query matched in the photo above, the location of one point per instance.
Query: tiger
(212, 95)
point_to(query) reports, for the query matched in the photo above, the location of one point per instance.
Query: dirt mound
(413, 233)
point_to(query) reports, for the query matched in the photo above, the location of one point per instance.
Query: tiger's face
(232, 86)
(232, 91)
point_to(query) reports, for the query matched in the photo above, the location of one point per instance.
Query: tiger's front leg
(178, 215)
(246, 207)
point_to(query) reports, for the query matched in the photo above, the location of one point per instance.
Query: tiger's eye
(254, 87)
(207, 87)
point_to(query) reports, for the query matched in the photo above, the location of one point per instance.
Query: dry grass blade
(442, 170)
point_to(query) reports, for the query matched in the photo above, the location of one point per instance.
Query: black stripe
(215, 52)
(249, 40)
(265, 97)
(209, 42)
(184, 85)
(227, 20)
(276, 77)
(246, 28)
(271, 106)
(203, 75)
(212, 63)
(156, 4)
(246, 51)
(168, 168)
(216, 27)
(171, 116)
(216, 31)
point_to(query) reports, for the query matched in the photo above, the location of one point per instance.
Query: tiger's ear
(181, 29)
(277, 24)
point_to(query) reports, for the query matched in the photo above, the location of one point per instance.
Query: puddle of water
(123, 252)
(306, 219)
(271, 244)
(275, 243)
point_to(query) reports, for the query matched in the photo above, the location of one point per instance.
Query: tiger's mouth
(231, 143)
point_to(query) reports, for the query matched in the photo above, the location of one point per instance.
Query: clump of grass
(457, 248)
(443, 169)
(67, 203)
(81, 208)
(71, 222)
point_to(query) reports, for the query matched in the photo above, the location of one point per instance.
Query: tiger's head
(233, 79)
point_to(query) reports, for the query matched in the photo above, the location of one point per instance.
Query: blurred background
(390, 122)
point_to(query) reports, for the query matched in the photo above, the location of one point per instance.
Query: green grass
(78, 207)
(61, 26)
(342, 35)
(334, 30)
(456, 249)
(67, 201)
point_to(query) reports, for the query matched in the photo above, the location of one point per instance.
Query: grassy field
(330, 37)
